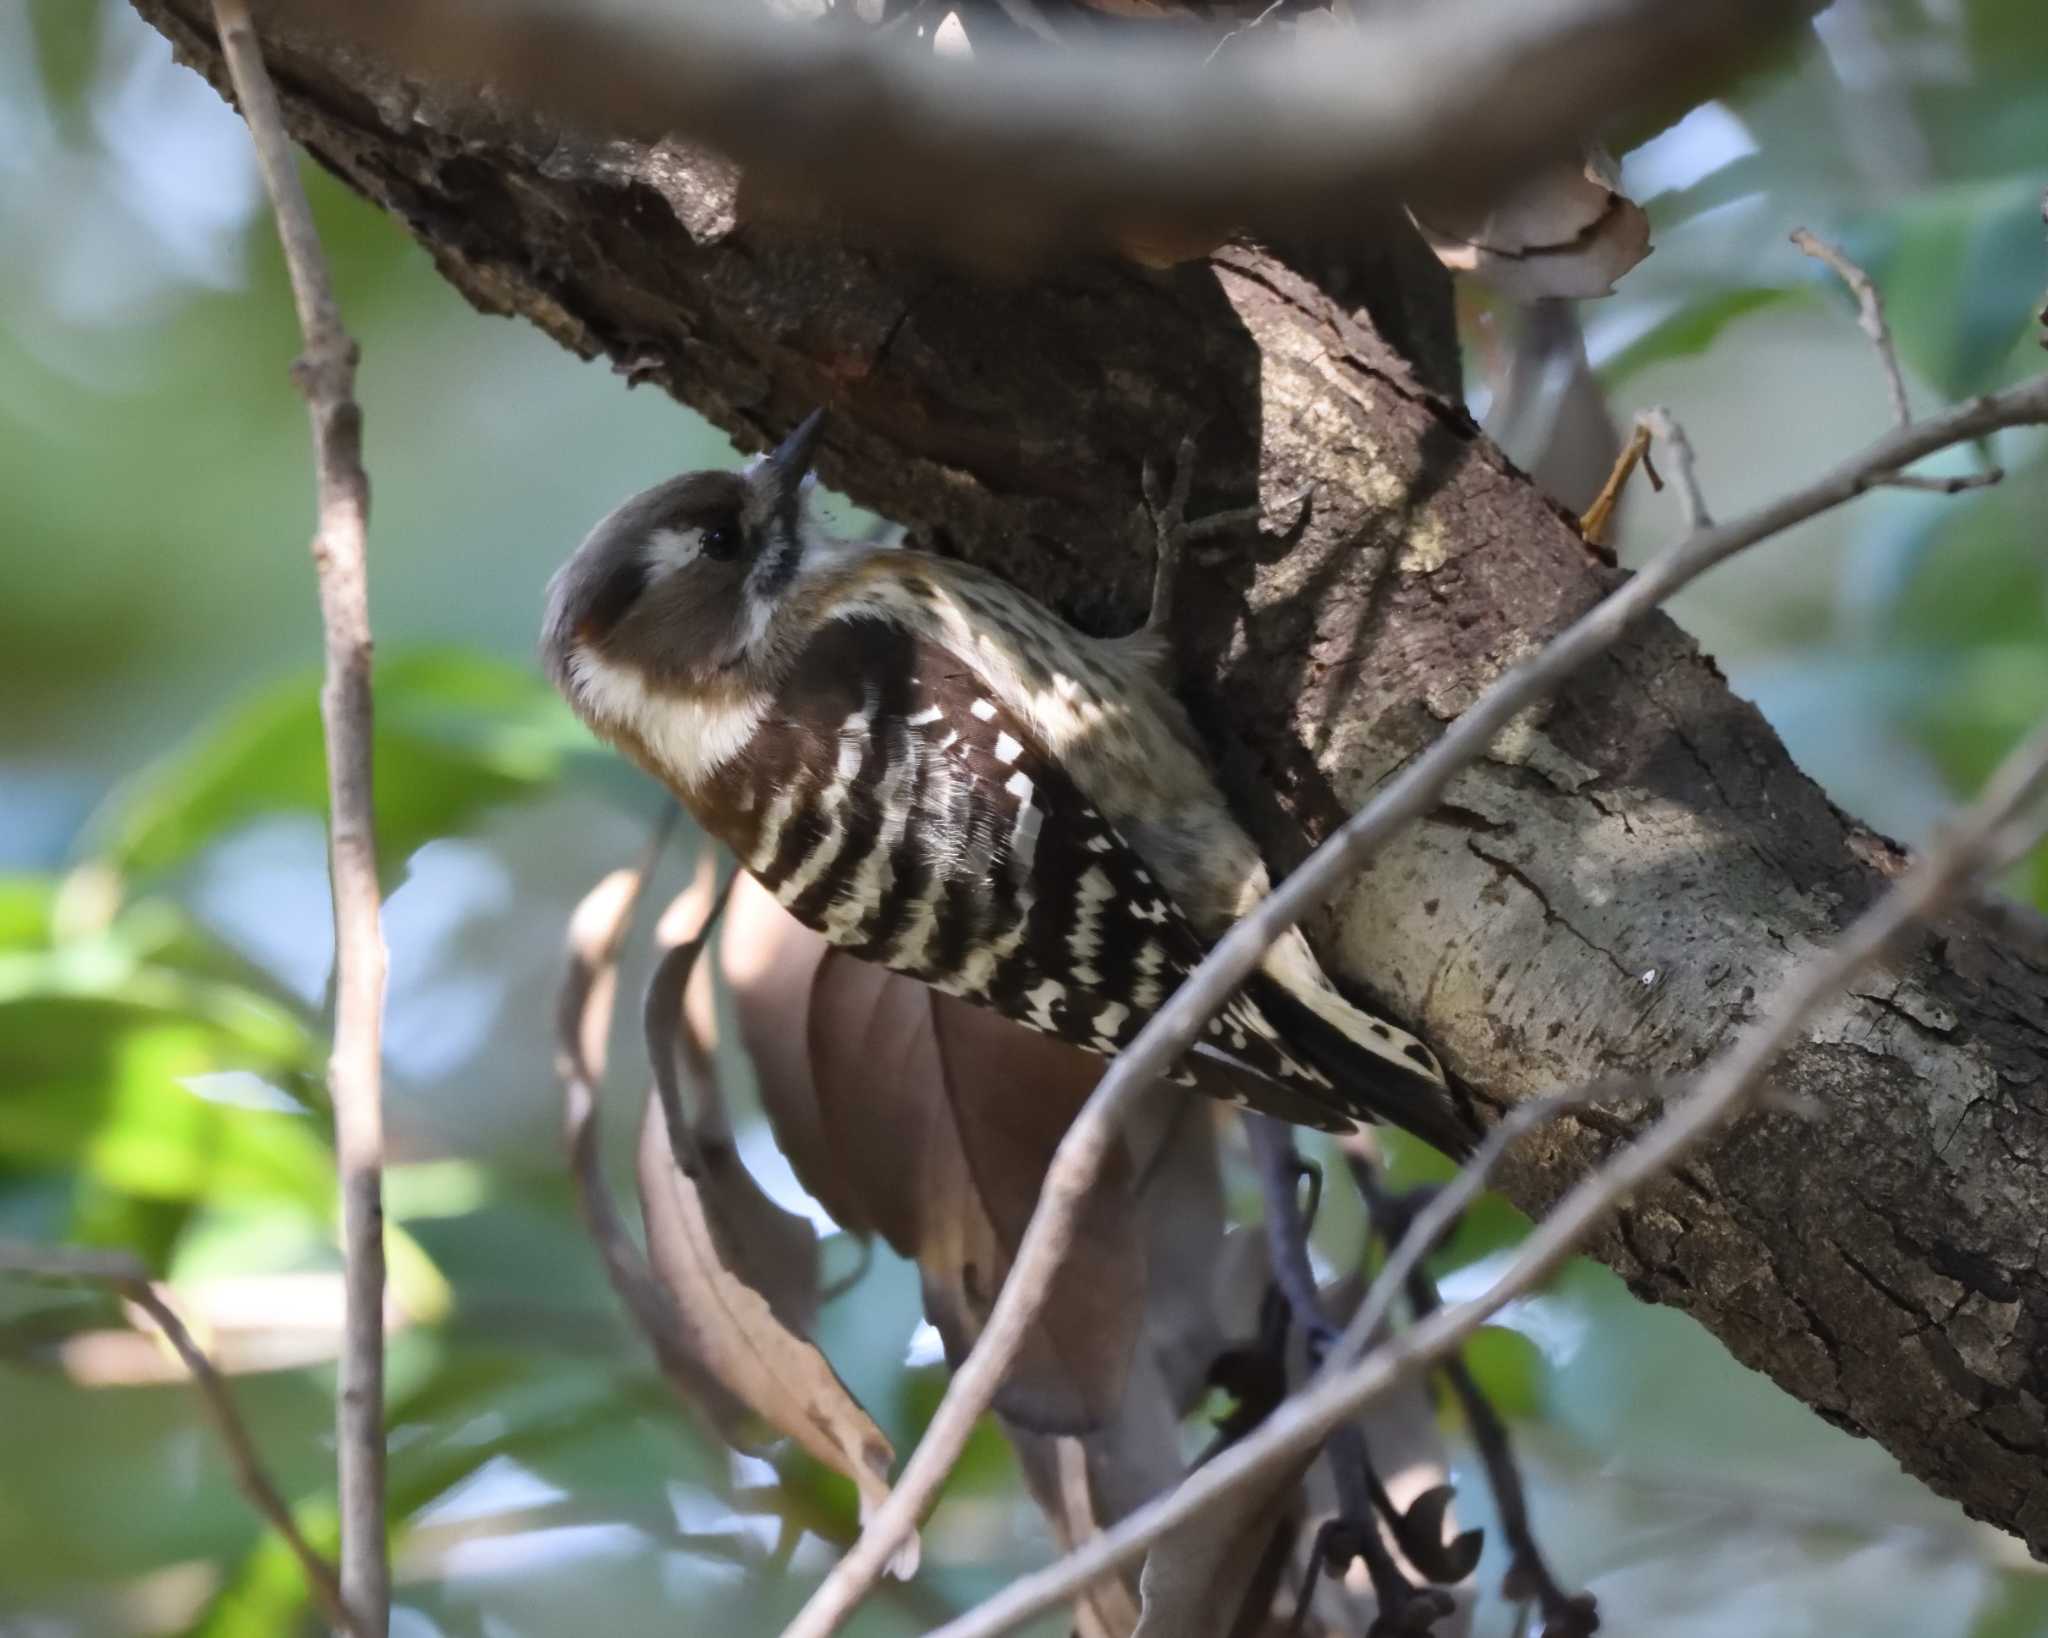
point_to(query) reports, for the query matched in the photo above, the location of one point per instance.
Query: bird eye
(721, 542)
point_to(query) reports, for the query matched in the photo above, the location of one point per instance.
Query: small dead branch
(1871, 320)
(325, 375)
(1869, 315)
(123, 1274)
(1362, 1499)
(1594, 521)
(1659, 424)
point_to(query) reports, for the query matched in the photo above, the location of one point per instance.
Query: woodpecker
(940, 775)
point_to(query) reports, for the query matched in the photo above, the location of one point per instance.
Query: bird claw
(1173, 532)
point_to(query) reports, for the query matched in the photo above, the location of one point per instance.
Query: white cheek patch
(672, 549)
(691, 739)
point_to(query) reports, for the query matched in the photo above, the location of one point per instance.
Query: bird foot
(1173, 532)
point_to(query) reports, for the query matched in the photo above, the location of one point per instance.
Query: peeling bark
(1623, 884)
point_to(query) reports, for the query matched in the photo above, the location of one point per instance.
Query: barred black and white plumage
(939, 775)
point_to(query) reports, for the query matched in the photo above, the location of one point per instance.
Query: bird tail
(1376, 1072)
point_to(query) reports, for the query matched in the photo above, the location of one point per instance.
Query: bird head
(680, 582)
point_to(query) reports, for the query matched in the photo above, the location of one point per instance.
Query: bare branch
(1018, 147)
(325, 375)
(1408, 796)
(1870, 318)
(1983, 838)
(124, 1274)
(1869, 315)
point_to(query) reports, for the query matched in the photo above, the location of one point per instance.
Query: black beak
(789, 463)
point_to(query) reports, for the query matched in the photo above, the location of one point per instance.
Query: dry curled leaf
(1215, 1575)
(742, 1273)
(597, 928)
(778, 1374)
(1085, 1484)
(1568, 231)
(931, 1122)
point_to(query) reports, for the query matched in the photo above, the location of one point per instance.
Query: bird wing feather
(947, 844)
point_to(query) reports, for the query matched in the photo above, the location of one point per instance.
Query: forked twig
(1871, 320)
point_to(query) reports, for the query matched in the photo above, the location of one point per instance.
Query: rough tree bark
(1608, 897)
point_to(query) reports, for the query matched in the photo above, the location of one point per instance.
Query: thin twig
(1011, 149)
(1659, 423)
(1594, 520)
(122, 1273)
(1869, 315)
(325, 375)
(1176, 1026)
(1871, 320)
(1981, 840)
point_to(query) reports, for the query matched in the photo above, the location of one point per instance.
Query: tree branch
(325, 375)
(1015, 149)
(1981, 841)
(1871, 320)
(125, 1275)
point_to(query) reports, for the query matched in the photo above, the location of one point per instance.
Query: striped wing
(898, 808)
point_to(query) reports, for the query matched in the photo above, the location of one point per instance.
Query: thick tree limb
(1015, 149)
(326, 374)
(1880, 1262)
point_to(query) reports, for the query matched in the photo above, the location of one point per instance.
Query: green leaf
(1992, 696)
(1691, 328)
(97, 1085)
(266, 1593)
(1488, 1224)
(455, 734)
(2018, 1608)
(67, 39)
(1989, 699)
(1960, 267)
(102, 1041)
(1973, 574)
(1509, 1368)
(987, 1464)
(25, 904)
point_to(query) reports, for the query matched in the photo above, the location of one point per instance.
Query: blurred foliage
(161, 1045)
(455, 733)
